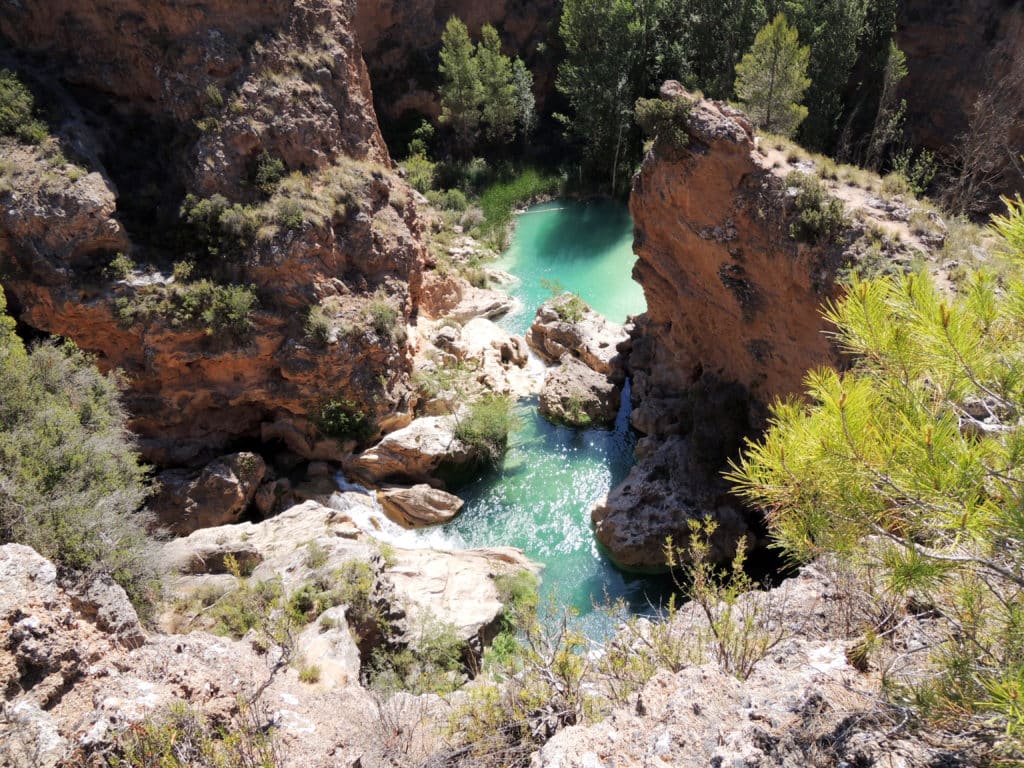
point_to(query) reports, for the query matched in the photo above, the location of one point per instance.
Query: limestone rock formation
(566, 324)
(419, 506)
(414, 586)
(415, 453)
(222, 88)
(217, 495)
(577, 395)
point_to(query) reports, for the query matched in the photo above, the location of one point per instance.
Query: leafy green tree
(461, 90)
(718, 32)
(16, 110)
(499, 91)
(772, 78)
(615, 52)
(912, 464)
(522, 84)
(70, 482)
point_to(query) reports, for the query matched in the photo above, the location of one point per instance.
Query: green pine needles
(913, 463)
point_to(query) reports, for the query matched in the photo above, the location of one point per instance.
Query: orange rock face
(729, 294)
(225, 82)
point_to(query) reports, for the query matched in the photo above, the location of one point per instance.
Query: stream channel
(541, 498)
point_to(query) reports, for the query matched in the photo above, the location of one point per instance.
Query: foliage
(570, 308)
(419, 172)
(247, 606)
(383, 317)
(912, 460)
(500, 200)
(225, 311)
(616, 52)
(664, 118)
(221, 230)
(518, 593)
(919, 170)
(317, 326)
(486, 428)
(525, 103)
(436, 665)
(499, 103)
(268, 173)
(771, 79)
(120, 267)
(461, 91)
(820, 217)
(180, 737)
(344, 419)
(70, 482)
(17, 108)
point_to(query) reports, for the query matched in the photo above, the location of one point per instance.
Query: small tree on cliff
(772, 77)
(461, 91)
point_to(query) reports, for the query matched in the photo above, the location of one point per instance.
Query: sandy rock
(328, 644)
(217, 495)
(414, 453)
(103, 601)
(419, 506)
(481, 302)
(593, 339)
(576, 395)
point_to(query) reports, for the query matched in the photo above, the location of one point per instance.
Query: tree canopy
(771, 79)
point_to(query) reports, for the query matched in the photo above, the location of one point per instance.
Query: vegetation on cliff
(910, 465)
(70, 481)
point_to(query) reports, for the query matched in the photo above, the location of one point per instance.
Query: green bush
(120, 267)
(344, 420)
(499, 201)
(486, 427)
(220, 229)
(382, 317)
(318, 326)
(225, 311)
(664, 118)
(436, 666)
(291, 214)
(820, 218)
(70, 482)
(570, 308)
(180, 737)
(16, 111)
(268, 173)
(419, 172)
(248, 606)
(911, 461)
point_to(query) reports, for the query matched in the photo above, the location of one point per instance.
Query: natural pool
(541, 500)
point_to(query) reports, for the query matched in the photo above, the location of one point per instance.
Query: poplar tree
(461, 90)
(499, 91)
(772, 78)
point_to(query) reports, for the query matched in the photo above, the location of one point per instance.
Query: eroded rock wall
(160, 100)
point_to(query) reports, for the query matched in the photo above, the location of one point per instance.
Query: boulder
(579, 396)
(216, 495)
(419, 506)
(481, 302)
(415, 453)
(566, 325)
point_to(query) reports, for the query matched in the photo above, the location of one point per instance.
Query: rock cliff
(262, 113)
(735, 287)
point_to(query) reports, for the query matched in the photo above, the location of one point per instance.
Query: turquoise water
(586, 247)
(540, 501)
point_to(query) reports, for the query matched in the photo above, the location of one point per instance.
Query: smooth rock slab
(419, 506)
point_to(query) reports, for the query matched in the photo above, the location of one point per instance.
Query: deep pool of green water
(540, 500)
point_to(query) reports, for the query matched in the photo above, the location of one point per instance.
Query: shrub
(383, 318)
(16, 111)
(665, 119)
(182, 271)
(570, 308)
(344, 420)
(119, 268)
(230, 310)
(318, 326)
(486, 427)
(223, 310)
(248, 606)
(268, 173)
(70, 481)
(290, 214)
(180, 737)
(911, 460)
(419, 172)
(820, 218)
(220, 229)
(309, 674)
(436, 666)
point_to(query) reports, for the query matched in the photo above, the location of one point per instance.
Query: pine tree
(499, 91)
(772, 78)
(461, 91)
